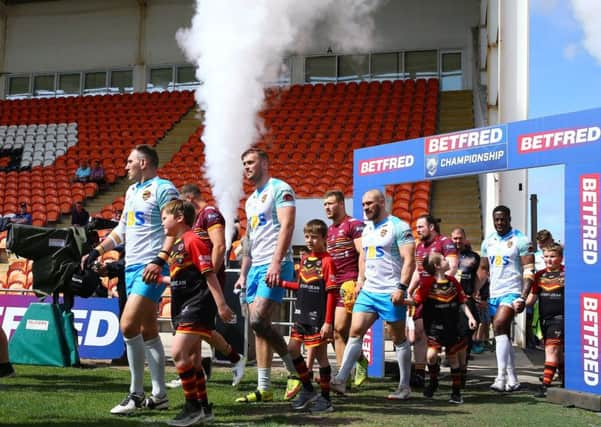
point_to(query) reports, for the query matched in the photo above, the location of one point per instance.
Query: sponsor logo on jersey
(257, 221)
(135, 218)
(499, 260)
(560, 138)
(589, 217)
(373, 252)
(590, 310)
(385, 164)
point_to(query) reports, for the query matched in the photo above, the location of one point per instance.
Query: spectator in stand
(79, 216)
(83, 172)
(22, 217)
(97, 174)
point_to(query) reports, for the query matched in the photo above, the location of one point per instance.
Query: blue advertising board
(572, 140)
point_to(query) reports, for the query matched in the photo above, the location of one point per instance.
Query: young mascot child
(443, 298)
(313, 317)
(196, 298)
(549, 289)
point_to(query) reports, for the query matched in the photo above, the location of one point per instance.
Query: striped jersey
(341, 247)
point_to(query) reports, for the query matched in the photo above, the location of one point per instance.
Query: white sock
(155, 356)
(511, 365)
(351, 353)
(287, 359)
(263, 379)
(135, 359)
(503, 347)
(403, 357)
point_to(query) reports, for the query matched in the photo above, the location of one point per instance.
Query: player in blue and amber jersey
(508, 263)
(270, 213)
(387, 259)
(146, 253)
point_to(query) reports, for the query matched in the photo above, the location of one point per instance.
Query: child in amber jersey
(196, 298)
(313, 317)
(548, 288)
(442, 297)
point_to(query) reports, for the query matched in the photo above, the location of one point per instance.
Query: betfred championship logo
(589, 217)
(471, 151)
(560, 138)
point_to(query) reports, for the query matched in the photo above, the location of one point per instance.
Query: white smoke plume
(238, 46)
(588, 13)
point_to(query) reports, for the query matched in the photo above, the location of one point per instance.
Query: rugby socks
(503, 347)
(290, 365)
(263, 379)
(135, 358)
(201, 386)
(549, 372)
(232, 355)
(455, 380)
(463, 376)
(325, 374)
(351, 354)
(188, 376)
(403, 357)
(511, 377)
(303, 372)
(433, 371)
(155, 356)
(420, 369)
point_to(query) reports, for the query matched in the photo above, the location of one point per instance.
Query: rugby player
(146, 254)
(387, 259)
(270, 212)
(508, 263)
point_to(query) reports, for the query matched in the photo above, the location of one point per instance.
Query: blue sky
(565, 75)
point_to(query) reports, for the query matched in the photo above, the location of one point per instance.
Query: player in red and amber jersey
(430, 240)
(442, 299)
(549, 288)
(344, 246)
(196, 298)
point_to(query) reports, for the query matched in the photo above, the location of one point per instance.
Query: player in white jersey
(508, 263)
(145, 259)
(387, 255)
(270, 212)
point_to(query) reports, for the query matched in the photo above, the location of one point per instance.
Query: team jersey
(441, 244)
(503, 253)
(316, 278)
(341, 247)
(441, 301)
(262, 219)
(140, 225)
(549, 286)
(206, 219)
(469, 261)
(189, 261)
(383, 262)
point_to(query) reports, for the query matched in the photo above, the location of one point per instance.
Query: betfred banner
(96, 322)
(590, 313)
(466, 152)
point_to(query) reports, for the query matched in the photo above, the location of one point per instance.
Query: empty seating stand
(42, 142)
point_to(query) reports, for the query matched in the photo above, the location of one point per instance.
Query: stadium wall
(102, 34)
